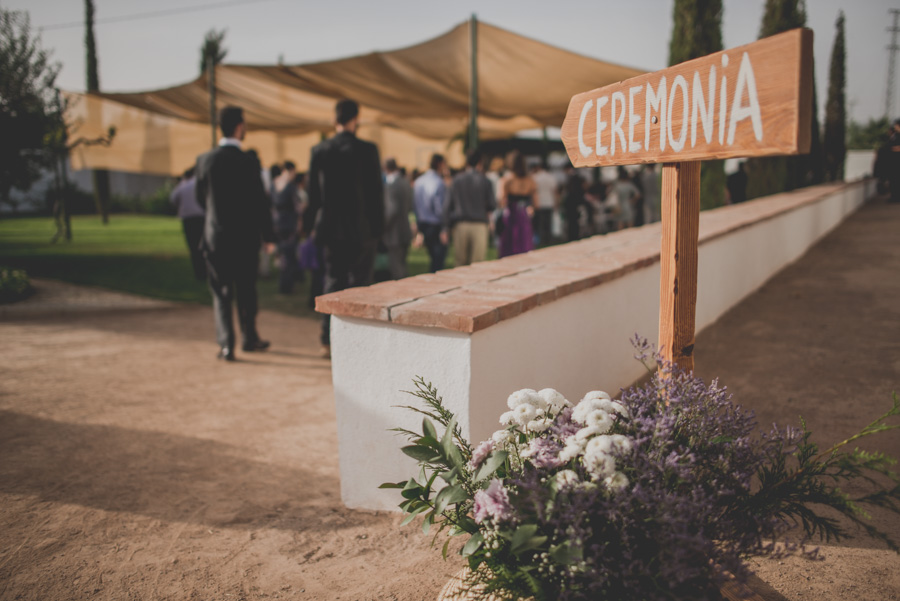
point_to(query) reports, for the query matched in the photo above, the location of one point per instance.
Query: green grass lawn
(141, 254)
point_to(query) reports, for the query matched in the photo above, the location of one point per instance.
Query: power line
(154, 14)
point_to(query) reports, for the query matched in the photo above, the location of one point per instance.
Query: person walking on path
(184, 197)
(468, 211)
(287, 226)
(238, 219)
(430, 194)
(346, 193)
(519, 191)
(398, 201)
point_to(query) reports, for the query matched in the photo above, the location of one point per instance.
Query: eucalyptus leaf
(420, 453)
(525, 538)
(428, 428)
(473, 544)
(393, 485)
(448, 496)
(490, 465)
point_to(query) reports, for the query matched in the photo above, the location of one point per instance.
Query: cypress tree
(835, 109)
(770, 175)
(101, 176)
(696, 32)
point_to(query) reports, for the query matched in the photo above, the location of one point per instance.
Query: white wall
(576, 344)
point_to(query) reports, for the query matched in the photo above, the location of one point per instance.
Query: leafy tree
(770, 175)
(696, 32)
(101, 176)
(212, 48)
(27, 103)
(868, 136)
(835, 109)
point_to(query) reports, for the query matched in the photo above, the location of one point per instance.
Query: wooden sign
(752, 100)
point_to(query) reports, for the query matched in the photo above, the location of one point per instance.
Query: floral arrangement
(14, 284)
(659, 494)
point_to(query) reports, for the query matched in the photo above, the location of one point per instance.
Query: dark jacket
(346, 193)
(238, 218)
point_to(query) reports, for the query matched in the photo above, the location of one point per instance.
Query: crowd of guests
(351, 218)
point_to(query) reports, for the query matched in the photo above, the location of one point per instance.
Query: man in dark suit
(346, 195)
(229, 186)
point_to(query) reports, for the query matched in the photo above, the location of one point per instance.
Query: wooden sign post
(753, 100)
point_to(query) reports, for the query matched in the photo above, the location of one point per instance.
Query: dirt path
(135, 466)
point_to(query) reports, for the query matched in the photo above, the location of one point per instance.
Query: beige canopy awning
(415, 101)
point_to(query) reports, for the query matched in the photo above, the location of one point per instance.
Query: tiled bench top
(474, 297)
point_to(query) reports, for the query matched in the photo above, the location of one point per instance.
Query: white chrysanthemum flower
(583, 435)
(566, 479)
(600, 465)
(555, 401)
(599, 444)
(501, 437)
(596, 394)
(616, 482)
(588, 405)
(573, 449)
(610, 444)
(539, 425)
(508, 418)
(621, 444)
(524, 413)
(526, 396)
(600, 419)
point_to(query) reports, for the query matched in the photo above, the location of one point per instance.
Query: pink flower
(480, 454)
(492, 503)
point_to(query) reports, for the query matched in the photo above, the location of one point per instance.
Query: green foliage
(835, 110)
(696, 32)
(696, 29)
(212, 48)
(712, 184)
(28, 113)
(867, 136)
(782, 15)
(14, 284)
(771, 175)
(792, 490)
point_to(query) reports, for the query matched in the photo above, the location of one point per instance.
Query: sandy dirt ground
(134, 466)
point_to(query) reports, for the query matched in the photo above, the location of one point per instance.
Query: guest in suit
(238, 219)
(346, 193)
(398, 200)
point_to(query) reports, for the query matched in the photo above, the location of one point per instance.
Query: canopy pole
(211, 79)
(473, 87)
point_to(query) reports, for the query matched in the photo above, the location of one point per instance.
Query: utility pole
(892, 60)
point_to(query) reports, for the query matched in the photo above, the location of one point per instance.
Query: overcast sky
(161, 50)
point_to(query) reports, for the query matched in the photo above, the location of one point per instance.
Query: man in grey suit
(398, 201)
(238, 220)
